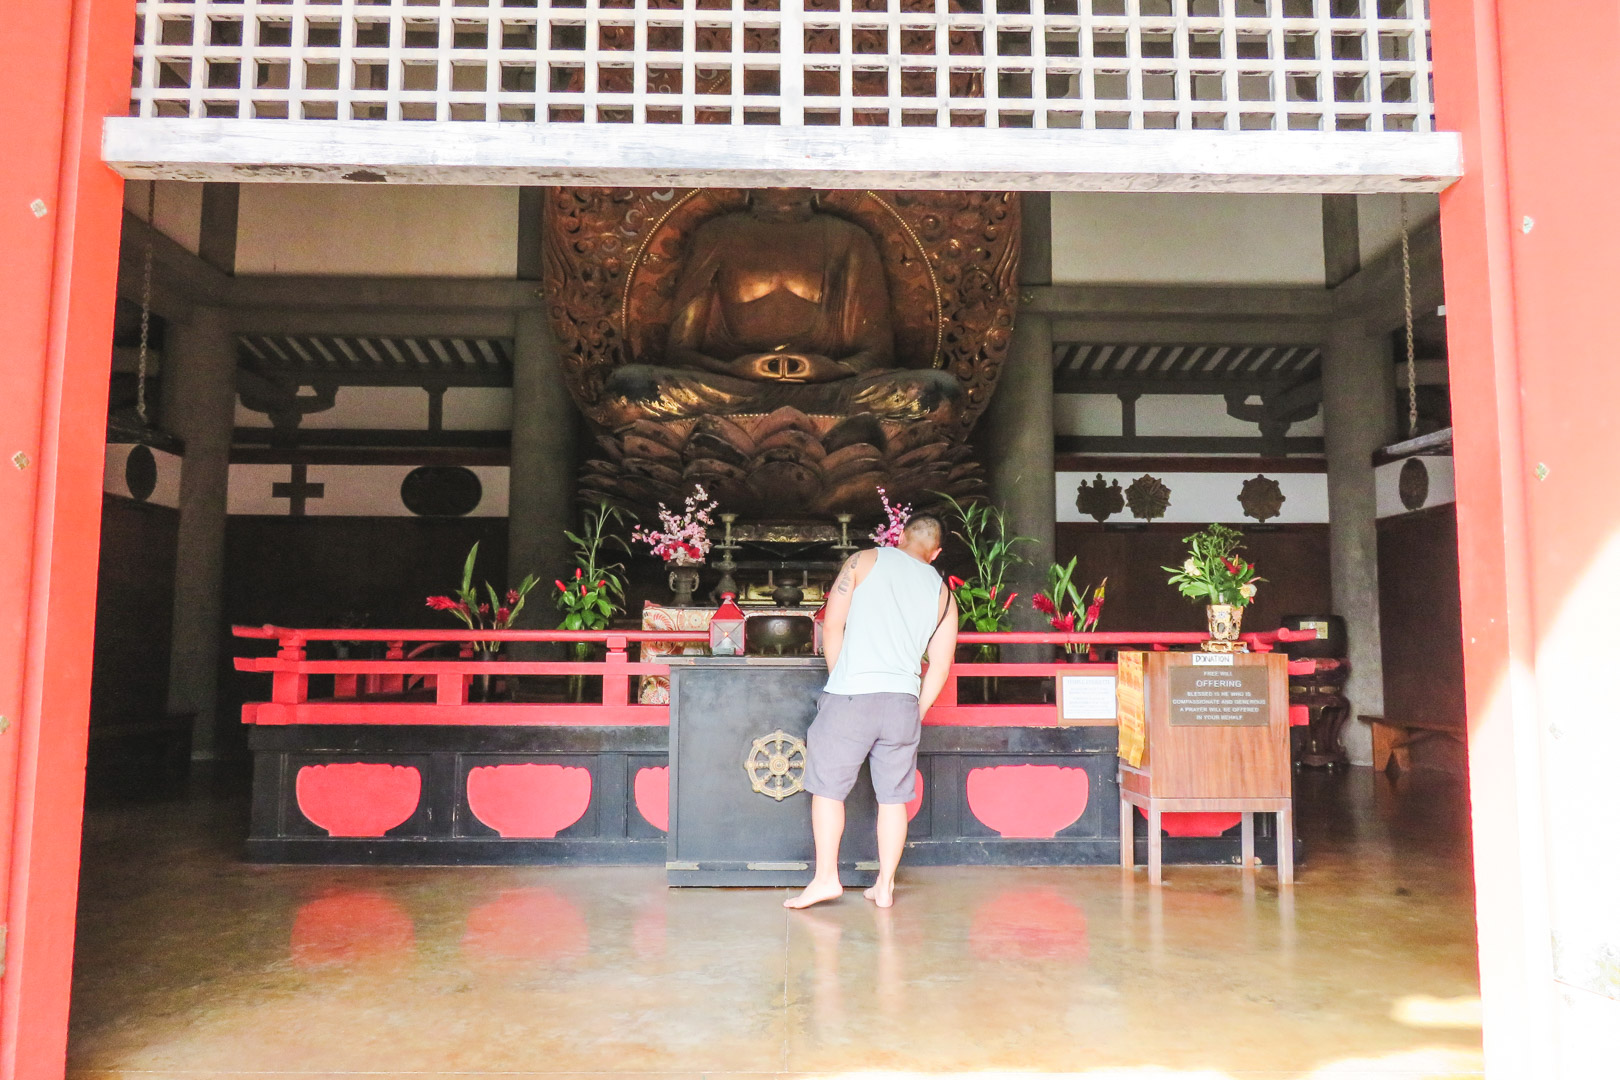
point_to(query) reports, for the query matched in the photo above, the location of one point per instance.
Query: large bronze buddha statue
(790, 352)
(781, 305)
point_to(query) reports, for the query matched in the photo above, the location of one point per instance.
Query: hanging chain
(1411, 344)
(146, 304)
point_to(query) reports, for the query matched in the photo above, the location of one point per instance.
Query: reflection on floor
(192, 964)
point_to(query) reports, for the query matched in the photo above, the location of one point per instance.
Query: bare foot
(816, 892)
(880, 894)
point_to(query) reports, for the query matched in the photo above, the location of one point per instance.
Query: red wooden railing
(374, 691)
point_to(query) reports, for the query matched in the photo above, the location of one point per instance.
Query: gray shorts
(852, 728)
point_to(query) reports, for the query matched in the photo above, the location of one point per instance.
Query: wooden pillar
(1018, 447)
(1358, 412)
(544, 467)
(1016, 435)
(199, 405)
(59, 220)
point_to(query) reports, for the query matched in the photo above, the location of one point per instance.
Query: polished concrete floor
(191, 964)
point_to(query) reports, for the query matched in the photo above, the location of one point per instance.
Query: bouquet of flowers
(1064, 604)
(1214, 571)
(983, 601)
(684, 538)
(479, 614)
(890, 534)
(595, 594)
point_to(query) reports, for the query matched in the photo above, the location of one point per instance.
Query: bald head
(924, 536)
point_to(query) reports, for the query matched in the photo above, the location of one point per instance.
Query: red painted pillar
(67, 65)
(1532, 266)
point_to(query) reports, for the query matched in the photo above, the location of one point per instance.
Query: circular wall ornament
(441, 491)
(1261, 498)
(1148, 497)
(140, 473)
(1414, 483)
(775, 765)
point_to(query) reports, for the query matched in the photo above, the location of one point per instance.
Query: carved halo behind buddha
(790, 350)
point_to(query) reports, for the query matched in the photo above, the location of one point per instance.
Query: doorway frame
(69, 67)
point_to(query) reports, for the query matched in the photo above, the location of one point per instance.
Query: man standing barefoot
(887, 609)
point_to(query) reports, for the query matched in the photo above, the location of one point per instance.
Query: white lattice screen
(1250, 65)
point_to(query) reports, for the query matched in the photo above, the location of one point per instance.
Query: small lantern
(726, 628)
(818, 623)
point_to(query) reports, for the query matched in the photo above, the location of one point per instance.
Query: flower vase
(1225, 621)
(583, 653)
(683, 581)
(978, 689)
(482, 687)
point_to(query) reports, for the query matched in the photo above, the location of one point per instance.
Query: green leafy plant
(480, 614)
(1214, 571)
(596, 593)
(983, 600)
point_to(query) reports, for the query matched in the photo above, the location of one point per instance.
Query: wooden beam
(1191, 330)
(1186, 444)
(428, 321)
(445, 152)
(1072, 383)
(323, 293)
(1180, 301)
(1341, 238)
(1374, 294)
(179, 278)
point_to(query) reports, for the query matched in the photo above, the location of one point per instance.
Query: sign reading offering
(1226, 697)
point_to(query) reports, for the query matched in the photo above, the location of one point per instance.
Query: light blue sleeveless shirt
(892, 615)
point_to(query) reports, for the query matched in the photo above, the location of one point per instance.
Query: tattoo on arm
(846, 578)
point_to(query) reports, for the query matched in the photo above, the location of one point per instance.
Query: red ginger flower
(442, 603)
(1043, 604)
(1065, 624)
(502, 614)
(512, 597)
(483, 609)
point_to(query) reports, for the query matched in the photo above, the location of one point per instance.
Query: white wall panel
(1442, 485)
(1202, 497)
(350, 490)
(378, 230)
(1129, 238)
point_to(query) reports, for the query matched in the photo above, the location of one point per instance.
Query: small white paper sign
(1206, 659)
(1089, 697)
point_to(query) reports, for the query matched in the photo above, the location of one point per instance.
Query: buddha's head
(781, 204)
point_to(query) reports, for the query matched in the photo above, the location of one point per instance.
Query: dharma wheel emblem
(775, 765)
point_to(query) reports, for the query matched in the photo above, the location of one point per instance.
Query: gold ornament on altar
(775, 765)
(788, 349)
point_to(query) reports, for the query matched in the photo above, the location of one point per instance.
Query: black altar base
(602, 795)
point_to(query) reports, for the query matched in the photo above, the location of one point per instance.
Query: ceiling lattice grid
(1230, 65)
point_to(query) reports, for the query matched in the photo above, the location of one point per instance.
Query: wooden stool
(1153, 808)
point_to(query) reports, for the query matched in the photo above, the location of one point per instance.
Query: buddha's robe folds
(777, 310)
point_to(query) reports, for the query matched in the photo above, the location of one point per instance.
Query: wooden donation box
(1205, 731)
(738, 811)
